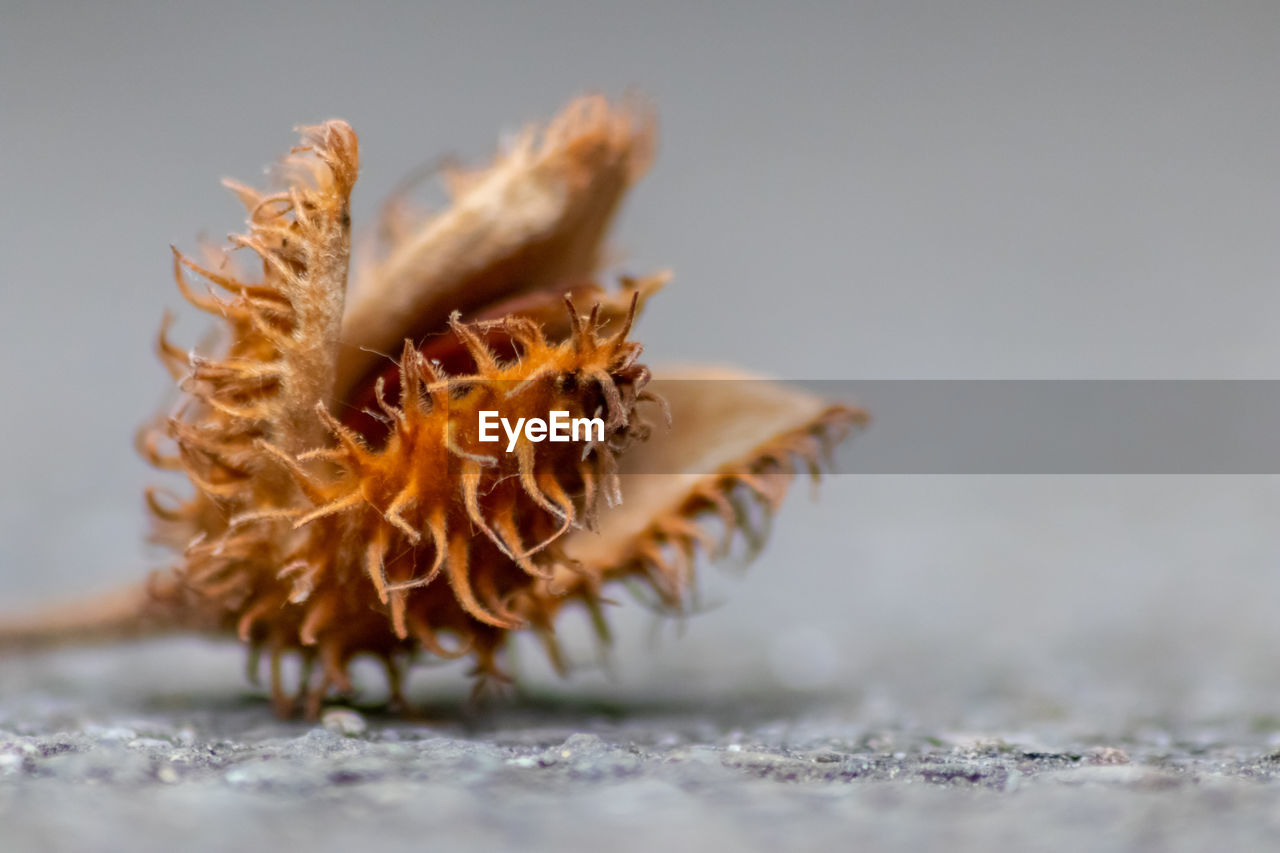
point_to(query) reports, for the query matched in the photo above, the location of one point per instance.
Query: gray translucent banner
(977, 427)
(1061, 426)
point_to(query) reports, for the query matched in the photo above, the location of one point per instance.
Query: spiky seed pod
(449, 529)
(342, 508)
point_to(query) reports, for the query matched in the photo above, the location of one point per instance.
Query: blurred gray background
(844, 191)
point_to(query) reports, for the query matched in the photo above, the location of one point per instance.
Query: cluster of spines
(431, 503)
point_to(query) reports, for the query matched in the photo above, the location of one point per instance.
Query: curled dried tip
(337, 145)
(591, 126)
(249, 197)
(852, 416)
(630, 318)
(589, 136)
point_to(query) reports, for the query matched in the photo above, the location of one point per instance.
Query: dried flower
(343, 505)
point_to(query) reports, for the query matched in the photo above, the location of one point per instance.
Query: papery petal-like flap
(535, 220)
(732, 437)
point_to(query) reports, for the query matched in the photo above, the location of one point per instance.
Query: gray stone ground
(1033, 663)
(168, 771)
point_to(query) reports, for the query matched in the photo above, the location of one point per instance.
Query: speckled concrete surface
(166, 771)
